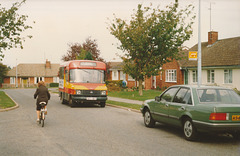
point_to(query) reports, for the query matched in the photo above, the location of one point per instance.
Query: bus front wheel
(71, 102)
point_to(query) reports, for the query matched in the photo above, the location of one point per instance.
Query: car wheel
(236, 135)
(148, 120)
(189, 130)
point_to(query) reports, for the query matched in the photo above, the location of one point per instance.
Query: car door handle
(183, 108)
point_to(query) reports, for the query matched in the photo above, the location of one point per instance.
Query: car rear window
(224, 96)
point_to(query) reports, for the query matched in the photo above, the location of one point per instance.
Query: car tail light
(218, 116)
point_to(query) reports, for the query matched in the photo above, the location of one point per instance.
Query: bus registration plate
(91, 98)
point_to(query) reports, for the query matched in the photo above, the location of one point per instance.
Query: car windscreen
(86, 76)
(224, 96)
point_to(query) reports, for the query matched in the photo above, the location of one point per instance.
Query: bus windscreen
(86, 76)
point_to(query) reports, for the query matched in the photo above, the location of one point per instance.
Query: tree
(3, 71)
(85, 51)
(151, 38)
(11, 26)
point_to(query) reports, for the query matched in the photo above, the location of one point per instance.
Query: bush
(114, 85)
(54, 84)
(237, 91)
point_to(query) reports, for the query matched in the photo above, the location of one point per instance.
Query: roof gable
(224, 52)
(35, 70)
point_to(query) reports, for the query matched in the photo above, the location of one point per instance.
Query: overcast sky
(61, 22)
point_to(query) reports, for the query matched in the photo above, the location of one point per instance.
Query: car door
(161, 108)
(178, 106)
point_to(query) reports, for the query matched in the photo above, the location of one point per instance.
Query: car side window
(183, 96)
(168, 95)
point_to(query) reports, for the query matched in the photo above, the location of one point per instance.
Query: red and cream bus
(82, 81)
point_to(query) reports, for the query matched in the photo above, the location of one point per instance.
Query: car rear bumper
(217, 126)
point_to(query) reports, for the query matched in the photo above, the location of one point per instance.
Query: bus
(82, 81)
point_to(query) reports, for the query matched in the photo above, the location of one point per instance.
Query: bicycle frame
(42, 113)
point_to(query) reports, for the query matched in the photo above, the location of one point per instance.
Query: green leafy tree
(85, 51)
(11, 26)
(3, 71)
(152, 38)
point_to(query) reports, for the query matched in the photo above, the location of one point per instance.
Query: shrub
(54, 84)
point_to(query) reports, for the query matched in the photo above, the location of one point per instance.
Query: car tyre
(236, 135)
(189, 130)
(148, 120)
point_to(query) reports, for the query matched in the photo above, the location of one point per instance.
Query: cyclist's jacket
(42, 94)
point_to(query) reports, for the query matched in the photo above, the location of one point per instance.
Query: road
(95, 131)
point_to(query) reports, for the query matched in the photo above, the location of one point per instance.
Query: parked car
(195, 109)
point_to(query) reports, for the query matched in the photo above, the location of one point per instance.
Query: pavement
(125, 100)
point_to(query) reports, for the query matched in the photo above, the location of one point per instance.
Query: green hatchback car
(195, 109)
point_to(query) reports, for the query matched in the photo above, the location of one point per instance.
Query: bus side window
(61, 73)
(66, 75)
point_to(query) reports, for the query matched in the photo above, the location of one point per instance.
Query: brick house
(116, 73)
(220, 64)
(28, 75)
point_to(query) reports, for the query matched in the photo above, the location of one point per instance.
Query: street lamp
(199, 47)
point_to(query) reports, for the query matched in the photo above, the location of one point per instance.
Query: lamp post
(199, 47)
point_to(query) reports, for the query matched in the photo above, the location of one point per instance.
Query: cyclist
(42, 95)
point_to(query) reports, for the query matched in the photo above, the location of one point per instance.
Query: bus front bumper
(83, 99)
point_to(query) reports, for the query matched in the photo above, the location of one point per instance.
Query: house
(116, 73)
(28, 75)
(220, 64)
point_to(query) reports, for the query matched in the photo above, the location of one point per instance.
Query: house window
(12, 80)
(228, 76)
(114, 75)
(210, 76)
(37, 79)
(122, 76)
(195, 77)
(55, 80)
(171, 75)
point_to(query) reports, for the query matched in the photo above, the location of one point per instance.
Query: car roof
(201, 87)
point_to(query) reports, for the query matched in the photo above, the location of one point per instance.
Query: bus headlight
(78, 92)
(104, 92)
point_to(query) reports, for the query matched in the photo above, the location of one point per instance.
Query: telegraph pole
(199, 47)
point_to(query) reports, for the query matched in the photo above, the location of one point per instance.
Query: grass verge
(5, 101)
(134, 95)
(123, 104)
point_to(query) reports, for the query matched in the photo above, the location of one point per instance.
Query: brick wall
(180, 77)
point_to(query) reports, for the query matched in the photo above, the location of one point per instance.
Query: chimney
(212, 37)
(48, 64)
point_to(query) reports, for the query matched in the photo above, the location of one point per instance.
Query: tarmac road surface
(94, 131)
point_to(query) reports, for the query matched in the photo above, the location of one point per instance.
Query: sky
(59, 23)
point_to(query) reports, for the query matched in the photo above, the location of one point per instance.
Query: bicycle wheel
(42, 118)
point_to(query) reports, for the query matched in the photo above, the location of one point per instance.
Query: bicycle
(42, 113)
